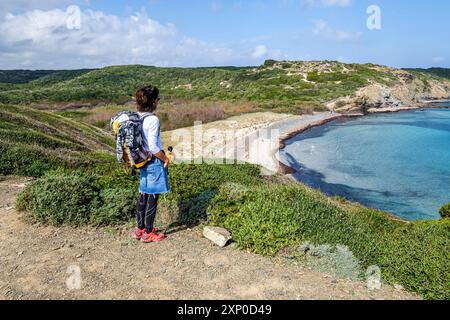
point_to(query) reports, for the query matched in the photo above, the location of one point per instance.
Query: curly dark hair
(146, 98)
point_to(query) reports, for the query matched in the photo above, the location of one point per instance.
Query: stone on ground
(219, 236)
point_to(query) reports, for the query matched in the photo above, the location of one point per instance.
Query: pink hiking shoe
(138, 233)
(152, 237)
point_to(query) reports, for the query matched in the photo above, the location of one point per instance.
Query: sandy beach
(253, 138)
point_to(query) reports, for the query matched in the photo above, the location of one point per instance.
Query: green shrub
(115, 206)
(110, 176)
(33, 142)
(269, 218)
(108, 196)
(264, 216)
(313, 76)
(18, 160)
(269, 63)
(416, 256)
(60, 197)
(250, 84)
(445, 211)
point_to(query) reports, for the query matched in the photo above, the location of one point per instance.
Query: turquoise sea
(397, 162)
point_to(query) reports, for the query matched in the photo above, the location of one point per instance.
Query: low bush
(313, 76)
(269, 63)
(16, 160)
(107, 195)
(445, 211)
(114, 206)
(60, 197)
(77, 198)
(33, 142)
(269, 218)
(264, 216)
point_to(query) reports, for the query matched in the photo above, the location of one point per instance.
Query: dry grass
(100, 117)
(173, 114)
(183, 113)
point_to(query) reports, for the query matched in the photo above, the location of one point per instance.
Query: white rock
(219, 236)
(398, 287)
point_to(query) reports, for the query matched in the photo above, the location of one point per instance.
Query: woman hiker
(154, 176)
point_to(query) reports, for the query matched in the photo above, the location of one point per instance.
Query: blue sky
(222, 32)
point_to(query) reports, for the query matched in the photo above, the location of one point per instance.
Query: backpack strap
(148, 114)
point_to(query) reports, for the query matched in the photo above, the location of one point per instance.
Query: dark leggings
(146, 211)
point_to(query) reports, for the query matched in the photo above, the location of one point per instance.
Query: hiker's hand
(166, 163)
(162, 156)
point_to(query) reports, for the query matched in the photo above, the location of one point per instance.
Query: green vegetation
(106, 196)
(270, 217)
(81, 183)
(280, 86)
(33, 142)
(22, 76)
(60, 198)
(78, 198)
(435, 72)
(44, 76)
(265, 215)
(445, 211)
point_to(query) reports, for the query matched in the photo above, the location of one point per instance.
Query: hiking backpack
(128, 130)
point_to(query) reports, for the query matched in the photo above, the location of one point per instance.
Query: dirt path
(34, 261)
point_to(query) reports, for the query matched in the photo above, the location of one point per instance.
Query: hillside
(26, 76)
(282, 86)
(184, 265)
(436, 72)
(22, 76)
(82, 185)
(32, 142)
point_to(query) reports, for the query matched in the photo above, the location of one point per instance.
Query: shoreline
(436, 101)
(250, 130)
(285, 169)
(289, 172)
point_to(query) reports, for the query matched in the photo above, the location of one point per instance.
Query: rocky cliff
(409, 89)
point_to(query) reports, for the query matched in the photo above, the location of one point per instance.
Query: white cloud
(326, 3)
(41, 39)
(261, 51)
(321, 28)
(15, 6)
